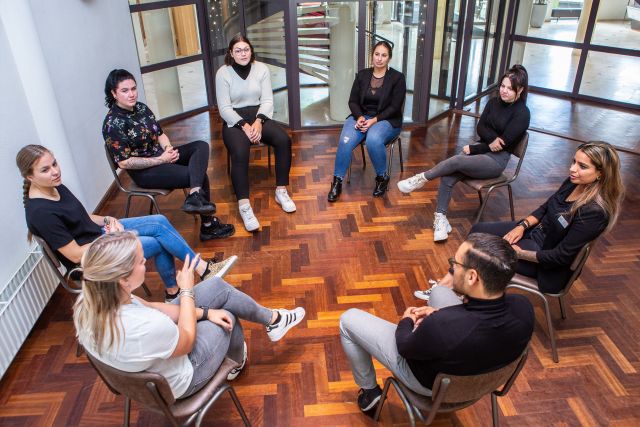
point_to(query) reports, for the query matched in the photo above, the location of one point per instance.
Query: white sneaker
(441, 227)
(411, 184)
(288, 319)
(283, 199)
(426, 294)
(219, 269)
(250, 221)
(236, 371)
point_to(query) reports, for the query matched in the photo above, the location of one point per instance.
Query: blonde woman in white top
(184, 341)
(245, 102)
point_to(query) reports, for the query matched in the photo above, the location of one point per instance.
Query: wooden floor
(371, 254)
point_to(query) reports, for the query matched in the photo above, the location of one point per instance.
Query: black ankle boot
(382, 182)
(336, 189)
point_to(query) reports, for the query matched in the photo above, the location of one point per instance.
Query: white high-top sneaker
(441, 227)
(411, 184)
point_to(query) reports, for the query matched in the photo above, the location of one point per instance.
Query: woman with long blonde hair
(586, 205)
(185, 340)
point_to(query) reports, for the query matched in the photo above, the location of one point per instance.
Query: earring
(598, 178)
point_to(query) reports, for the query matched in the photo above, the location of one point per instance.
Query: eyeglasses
(239, 51)
(453, 263)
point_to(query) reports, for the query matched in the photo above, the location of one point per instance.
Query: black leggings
(526, 268)
(239, 146)
(188, 172)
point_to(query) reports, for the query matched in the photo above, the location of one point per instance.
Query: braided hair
(25, 159)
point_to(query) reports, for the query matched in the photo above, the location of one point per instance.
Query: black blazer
(394, 89)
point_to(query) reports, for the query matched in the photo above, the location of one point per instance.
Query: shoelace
(284, 196)
(248, 211)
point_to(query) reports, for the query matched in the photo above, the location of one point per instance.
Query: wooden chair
(454, 392)
(503, 180)
(390, 145)
(530, 285)
(252, 147)
(66, 280)
(152, 391)
(133, 190)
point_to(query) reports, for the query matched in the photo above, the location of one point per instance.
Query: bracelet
(187, 293)
(205, 313)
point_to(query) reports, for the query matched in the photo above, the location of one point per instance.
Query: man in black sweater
(483, 332)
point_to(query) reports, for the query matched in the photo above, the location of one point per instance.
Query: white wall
(15, 133)
(82, 41)
(612, 9)
(54, 58)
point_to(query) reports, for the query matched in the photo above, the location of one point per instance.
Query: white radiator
(21, 302)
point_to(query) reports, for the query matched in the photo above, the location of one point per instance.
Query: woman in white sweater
(245, 102)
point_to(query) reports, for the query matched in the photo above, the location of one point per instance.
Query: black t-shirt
(60, 222)
(468, 339)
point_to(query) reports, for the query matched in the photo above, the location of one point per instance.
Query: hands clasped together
(417, 314)
(495, 146)
(254, 131)
(363, 125)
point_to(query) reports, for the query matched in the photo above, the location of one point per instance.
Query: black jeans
(526, 268)
(239, 146)
(188, 172)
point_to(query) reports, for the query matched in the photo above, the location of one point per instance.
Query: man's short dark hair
(493, 258)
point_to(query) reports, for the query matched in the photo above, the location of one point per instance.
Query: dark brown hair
(385, 44)
(25, 159)
(228, 59)
(519, 79)
(113, 80)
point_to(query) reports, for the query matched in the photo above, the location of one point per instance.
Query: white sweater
(232, 92)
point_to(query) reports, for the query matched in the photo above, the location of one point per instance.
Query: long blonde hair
(608, 190)
(108, 259)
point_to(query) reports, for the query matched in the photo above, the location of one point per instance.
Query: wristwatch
(524, 224)
(205, 313)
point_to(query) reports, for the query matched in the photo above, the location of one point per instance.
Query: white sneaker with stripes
(288, 319)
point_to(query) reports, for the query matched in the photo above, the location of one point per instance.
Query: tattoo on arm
(528, 256)
(140, 162)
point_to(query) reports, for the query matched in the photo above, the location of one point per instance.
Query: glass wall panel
(398, 23)
(328, 52)
(225, 21)
(445, 39)
(551, 67)
(165, 34)
(265, 29)
(564, 20)
(613, 77)
(617, 29)
(175, 90)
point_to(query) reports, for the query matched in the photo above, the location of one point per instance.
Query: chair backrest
(55, 263)
(114, 169)
(576, 267)
(521, 148)
(146, 388)
(472, 387)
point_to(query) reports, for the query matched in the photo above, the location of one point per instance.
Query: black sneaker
(382, 182)
(195, 203)
(368, 399)
(216, 230)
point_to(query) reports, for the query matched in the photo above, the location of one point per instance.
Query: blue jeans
(377, 136)
(160, 241)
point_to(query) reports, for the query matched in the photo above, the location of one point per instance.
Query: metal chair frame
(440, 402)
(501, 181)
(253, 146)
(390, 145)
(530, 285)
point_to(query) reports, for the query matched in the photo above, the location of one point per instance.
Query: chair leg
(228, 163)
(554, 350)
(400, 154)
(390, 161)
(513, 216)
(147, 292)
(236, 402)
(483, 204)
(364, 159)
(269, 158)
(392, 381)
(126, 208)
(495, 410)
(127, 411)
(563, 313)
(151, 206)
(349, 170)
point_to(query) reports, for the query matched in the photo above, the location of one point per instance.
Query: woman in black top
(376, 101)
(58, 217)
(502, 125)
(138, 145)
(586, 204)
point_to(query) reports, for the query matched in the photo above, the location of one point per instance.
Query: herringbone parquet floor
(370, 254)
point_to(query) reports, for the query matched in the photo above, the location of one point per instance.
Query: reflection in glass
(617, 32)
(564, 21)
(447, 21)
(224, 23)
(175, 90)
(551, 67)
(165, 34)
(613, 77)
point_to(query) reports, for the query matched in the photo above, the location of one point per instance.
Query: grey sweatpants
(460, 166)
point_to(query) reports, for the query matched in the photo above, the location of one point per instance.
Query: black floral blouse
(131, 133)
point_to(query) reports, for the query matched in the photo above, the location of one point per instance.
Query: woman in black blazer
(376, 101)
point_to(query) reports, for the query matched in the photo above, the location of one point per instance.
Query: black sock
(278, 317)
